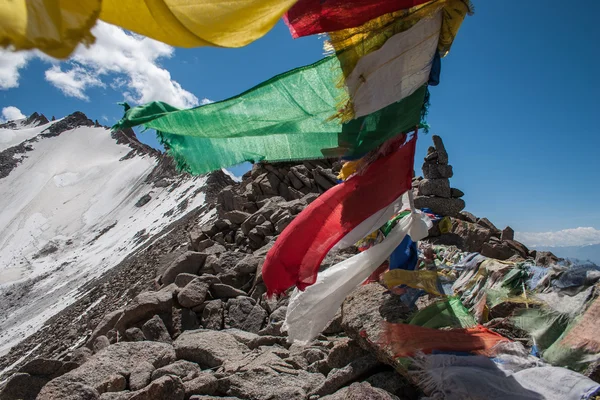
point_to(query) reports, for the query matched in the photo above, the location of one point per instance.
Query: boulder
(141, 376)
(498, 250)
(236, 216)
(106, 324)
(68, 390)
(222, 291)
(144, 306)
(184, 319)
(189, 262)
(467, 216)
(486, 223)
(437, 171)
(193, 294)
(155, 330)
(268, 384)
(125, 395)
(441, 206)
(22, 386)
(507, 234)
(340, 377)
(435, 187)
(456, 193)
(518, 247)
(243, 313)
(393, 383)
(214, 250)
(344, 352)
(545, 258)
(81, 355)
(185, 370)
(100, 343)
(360, 391)
(42, 367)
(473, 235)
(167, 387)
(204, 383)
(134, 335)
(209, 349)
(105, 371)
(442, 154)
(213, 315)
(183, 279)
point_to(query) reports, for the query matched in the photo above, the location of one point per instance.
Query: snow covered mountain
(75, 200)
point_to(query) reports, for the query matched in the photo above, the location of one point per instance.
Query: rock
(167, 387)
(155, 330)
(435, 187)
(214, 249)
(456, 193)
(486, 223)
(22, 386)
(42, 367)
(184, 319)
(507, 234)
(441, 206)
(473, 235)
(183, 279)
(245, 314)
(363, 314)
(236, 216)
(134, 335)
(208, 348)
(437, 171)
(106, 324)
(142, 201)
(125, 395)
(518, 247)
(213, 315)
(213, 398)
(268, 384)
(283, 223)
(222, 291)
(189, 262)
(242, 336)
(393, 383)
(545, 258)
(255, 219)
(106, 370)
(81, 355)
(467, 216)
(68, 390)
(344, 352)
(442, 155)
(360, 391)
(335, 326)
(144, 306)
(256, 237)
(141, 375)
(185, 370)
(338, 378)
(205, 383)
(193, 294)
(498, 250)
(100, 343)
(210, 279)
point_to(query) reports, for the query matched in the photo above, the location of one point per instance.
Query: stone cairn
(433, 191)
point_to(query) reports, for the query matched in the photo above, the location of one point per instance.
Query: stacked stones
(434, 191)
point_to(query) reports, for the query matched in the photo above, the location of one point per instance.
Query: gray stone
(255, 219)
(105, 370)
(361, 391)
(189, 262)
(42, 367)
(268, 384)
(243, 313)
(283, 223)
(154, 329)
(100, 343)
(184, 319)
(394, 383)
(256, 237)
(134, 335)
(486, 223)
(213, 315)
(344, 352)
(81, 355)
(456, 193)
(335, 326)
(518, 247)
(222, 291)
(508, 234)
(201, 397)
(185, 370)
(209, 348)
(214, 249)
(144, 306)
(193, 294)
(236, 216)
(498, 250)
(167, 387)
(204, 383)
(442, 155)
(106, 324)
(22, 386)
(183, 279)
(473, 235)
(467, 216)
(202, 245)
(125, 395)
(338, 378)
(68, 390)
(438, 205)
(141, 375)
(435, 187)
(437, 171)
(545, 258)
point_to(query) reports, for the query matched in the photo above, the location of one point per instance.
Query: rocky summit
(186, 317)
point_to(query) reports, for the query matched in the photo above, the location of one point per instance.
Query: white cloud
(73, 82)
(10, 67)
(567, 237)
(11, 113)
(125, 62)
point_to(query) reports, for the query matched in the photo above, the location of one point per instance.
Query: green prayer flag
(447, 313)
(288, 117)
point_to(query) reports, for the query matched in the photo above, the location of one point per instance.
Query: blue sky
(516, 107)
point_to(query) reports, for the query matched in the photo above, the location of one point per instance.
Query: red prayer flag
(309, 17)
(298, 252)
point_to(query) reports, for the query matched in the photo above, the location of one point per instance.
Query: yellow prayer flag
(423, 279)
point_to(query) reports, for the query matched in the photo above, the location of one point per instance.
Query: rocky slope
(185, 316)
